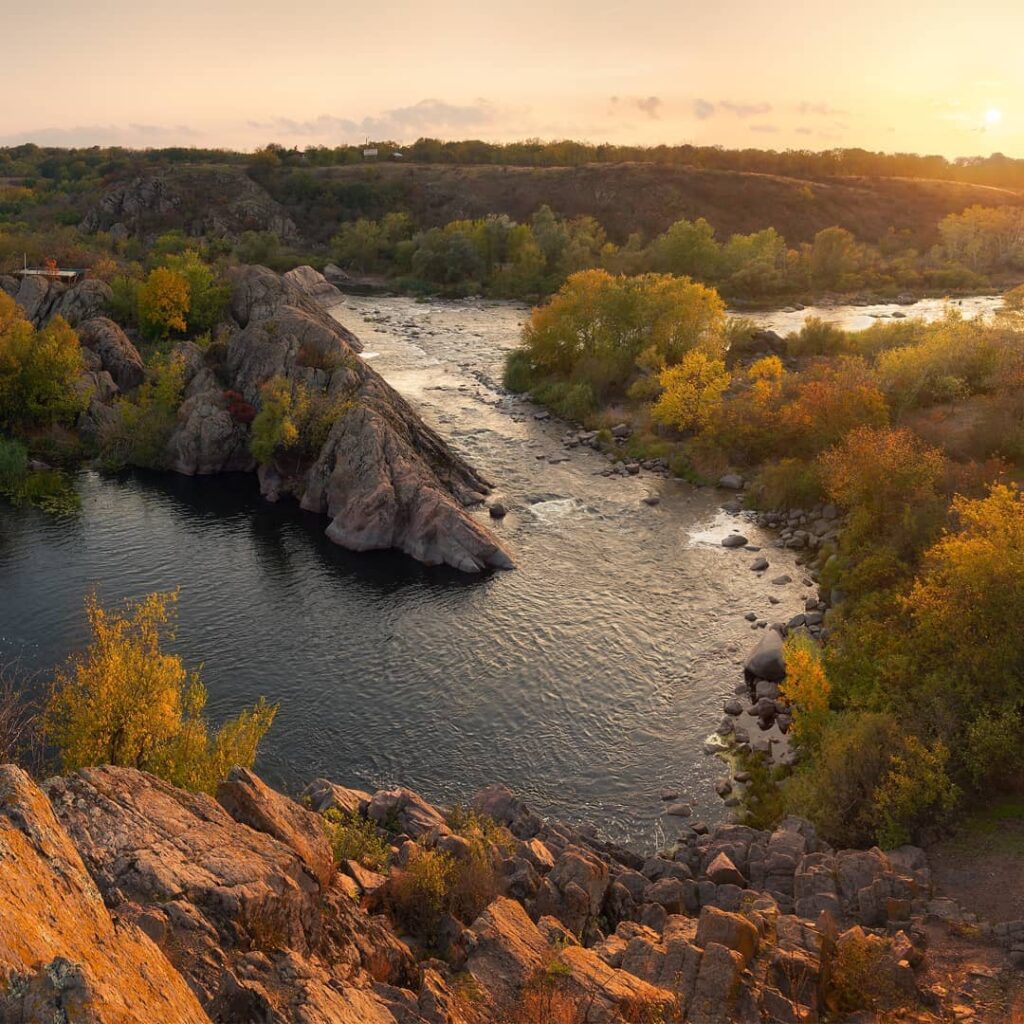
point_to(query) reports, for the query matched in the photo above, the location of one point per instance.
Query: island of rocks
(382, 477)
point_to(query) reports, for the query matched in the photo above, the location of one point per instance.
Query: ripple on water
(587, 679)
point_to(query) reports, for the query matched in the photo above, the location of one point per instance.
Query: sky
(896, 75)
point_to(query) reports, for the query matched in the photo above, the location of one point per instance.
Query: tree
(125, 701)
(888, 479)
(208, 294)
(38, 371)
(688, 247)
(164, 303)
(833, 255)
(692, 390)
(275, 427)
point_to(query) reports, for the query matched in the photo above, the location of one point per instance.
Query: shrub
(125, 701)
(807, 690)
(691, 391)
(994, 748)
(818, 337)
(788, 483)
(19, 737)
(274, 427)
(143, 422)
(868, 782)
(38, 371)
(518, 373)
(353, 837)
(207, 293)
(889, 479)
(420, 893)
(13, 464)
(861, 977)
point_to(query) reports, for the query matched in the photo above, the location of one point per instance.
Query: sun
(993, 116)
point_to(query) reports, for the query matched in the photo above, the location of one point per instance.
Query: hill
(630, 197)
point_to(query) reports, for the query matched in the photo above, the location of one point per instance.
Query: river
(586, 679)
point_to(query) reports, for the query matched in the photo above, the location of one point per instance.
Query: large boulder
(312, 283)
(43, 299)
(767, 660)
(508, 954)
(117, 355)
(63, 955)
(405, 811)
(248, 799)
(382, 477)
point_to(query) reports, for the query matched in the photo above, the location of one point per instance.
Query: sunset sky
(899, 75)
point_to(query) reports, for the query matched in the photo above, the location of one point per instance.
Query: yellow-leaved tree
(807, 690)
(125, 701)
(164, 300)
(691, 391)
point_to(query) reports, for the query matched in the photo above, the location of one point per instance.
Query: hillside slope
(637, 197)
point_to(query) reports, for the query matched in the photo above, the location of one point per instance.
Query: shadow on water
(235, 497)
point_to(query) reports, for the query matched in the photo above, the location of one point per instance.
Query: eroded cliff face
(198, 200)
(125, 899)
(382, 476)
(63, 955)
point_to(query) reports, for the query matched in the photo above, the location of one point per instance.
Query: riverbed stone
(734, 540)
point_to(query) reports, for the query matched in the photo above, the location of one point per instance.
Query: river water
(586, 679)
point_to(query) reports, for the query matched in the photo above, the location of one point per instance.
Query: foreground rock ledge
(125, 899)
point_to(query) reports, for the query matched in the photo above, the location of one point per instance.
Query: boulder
(314, 284)
(767, 661)
(508, 953)
(731, 482)
(730, 930)
(63, 955)
(722, 871)
(248, 799)
(499, 802)
(118, 356)
(405, 812)
(734, 540)
(324, 795)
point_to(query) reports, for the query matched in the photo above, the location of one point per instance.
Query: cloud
(702, 110)
(426, 117)
(767, 129)
(650, 106)
(138, 135)
(821, 109)
(745, 110)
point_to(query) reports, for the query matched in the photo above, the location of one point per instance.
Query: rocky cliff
(381, 475)
(200, 200)
(126, 899)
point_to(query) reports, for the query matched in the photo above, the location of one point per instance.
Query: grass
(355, 838)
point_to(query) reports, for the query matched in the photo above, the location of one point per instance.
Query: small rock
(497, 510)
(781, 581)
(759, 564)
(679, 810)
(734, 540)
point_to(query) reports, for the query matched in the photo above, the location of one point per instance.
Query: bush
(353, 837)
(124, 701)
(789, 483)
(868, 782)
(38, 371)
(163, 303)
(419, 894)
(818, 337)
(19, 736)
(518, 373)
(807, 690)
(143, 422)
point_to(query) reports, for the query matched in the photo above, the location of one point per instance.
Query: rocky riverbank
(125, 898)
(381, 476)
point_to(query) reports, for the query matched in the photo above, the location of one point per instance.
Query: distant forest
(29, 160)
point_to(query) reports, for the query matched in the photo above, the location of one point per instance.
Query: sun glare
(993, 116)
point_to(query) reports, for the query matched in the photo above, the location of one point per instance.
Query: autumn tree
(691, 390)
(889, 480)
(163, 302)
(126, 701)
(39, 370)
